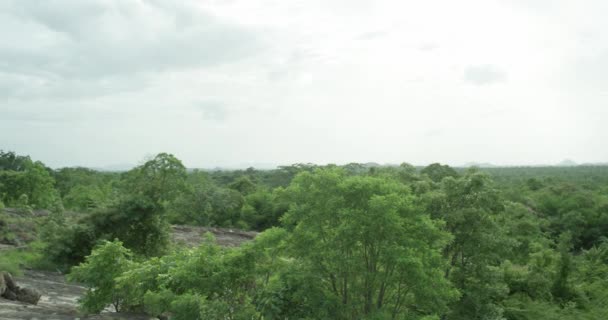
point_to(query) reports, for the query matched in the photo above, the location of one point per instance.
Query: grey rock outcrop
(28, 295)
(2, 285)
(11, 291)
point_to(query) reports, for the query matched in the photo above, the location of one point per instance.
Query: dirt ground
(59, 299)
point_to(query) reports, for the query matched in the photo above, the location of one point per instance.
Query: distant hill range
(564, 163)
(570, 163)
(567, 163)
(270, 166)
(115, 167)
(479, 165)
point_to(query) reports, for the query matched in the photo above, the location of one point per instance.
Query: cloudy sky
(258, 82)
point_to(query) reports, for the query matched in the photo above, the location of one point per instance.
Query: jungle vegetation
(336, 242)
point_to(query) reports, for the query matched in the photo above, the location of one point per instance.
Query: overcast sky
(257, 82)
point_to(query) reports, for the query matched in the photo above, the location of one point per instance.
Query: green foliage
(137, 222)
(66, 243)
(14, 260)
(241, 204)
(69, 178)
(243, 185)
(156, 303)
(10, 161)
(208, 205)
(362, 241)
(137, 217)
(562, 288)
(204, 283)
(160, 179)
(368, 243)
(99, 273)
(437, 172)
(469, 206)
(32, 257)
(263, 208)
(5, 233)
(18, 227)
(187, 307)
(293, 292)
(32, 180)
(85, 198)
(534, 184)
(524, 228)
(10, 261)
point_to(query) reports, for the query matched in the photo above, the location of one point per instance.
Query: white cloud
(484, 75)
(270, 81)
(59, 42)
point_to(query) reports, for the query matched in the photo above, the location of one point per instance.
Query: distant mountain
(115, 167)
(594, 164)
(479, 165)
(567, 163)
(371, 165)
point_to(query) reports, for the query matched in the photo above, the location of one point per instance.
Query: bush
(99, 272)
(138, 222)
(135, 221)
(203, 283)
(4, 231)
(187, 307)
(66, 244)
(13, 261)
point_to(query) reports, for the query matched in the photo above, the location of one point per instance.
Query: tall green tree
(438, 171)
(161, 179)
(375, 252)
(469, 205)
(137, 221)
(32, 179)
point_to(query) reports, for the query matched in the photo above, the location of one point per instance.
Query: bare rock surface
(192, 236)
(3, 287)
(59, 300)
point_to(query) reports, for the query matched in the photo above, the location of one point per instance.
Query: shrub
(99, 273)
(13, 261)
(135, 221)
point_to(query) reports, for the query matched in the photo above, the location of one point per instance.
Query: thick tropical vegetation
(336, 242)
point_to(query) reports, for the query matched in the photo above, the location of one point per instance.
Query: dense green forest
(336, 242)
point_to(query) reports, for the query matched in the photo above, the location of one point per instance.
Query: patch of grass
(16, 229)
(15, 260)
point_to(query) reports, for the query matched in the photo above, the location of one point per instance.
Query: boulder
(2, 284)
(10, 283)
(10, 295)
(11, 291)
(28, 295)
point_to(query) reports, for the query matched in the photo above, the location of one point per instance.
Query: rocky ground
(59, 300)
(192, 236)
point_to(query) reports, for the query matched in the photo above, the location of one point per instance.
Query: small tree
(160, 179)
(138, 222)
(99, 273)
